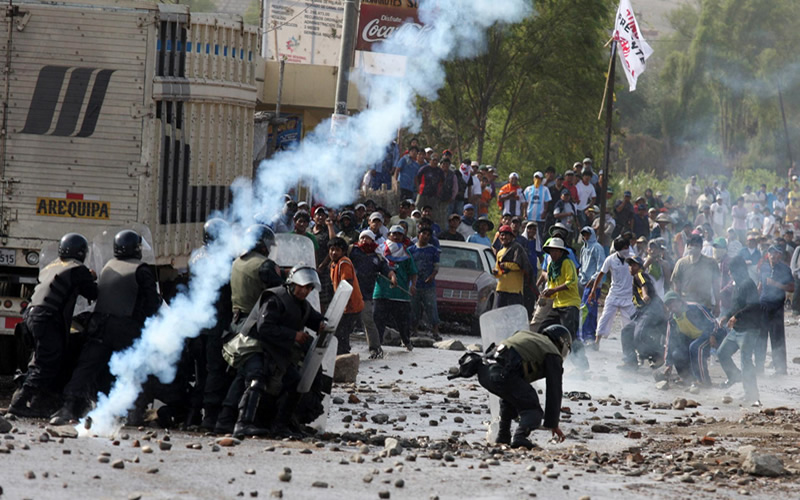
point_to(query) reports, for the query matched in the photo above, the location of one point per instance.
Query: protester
(510, 198)
(643, 338)
(618, 299)
(342, 269)
(774, 286)
(511, 268)
(393, 301)
(592, 257)
(452, 233)
(696, 277)
(426, 258)
(689, 340)
(481, 227)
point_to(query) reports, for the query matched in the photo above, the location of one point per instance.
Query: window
(463, 258)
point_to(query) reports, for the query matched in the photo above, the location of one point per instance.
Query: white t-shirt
(718, 214)
(621, 291)
(585, 193)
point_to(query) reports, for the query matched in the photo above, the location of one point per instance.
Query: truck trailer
(117, 114)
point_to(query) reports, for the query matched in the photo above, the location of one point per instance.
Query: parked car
(465, 285)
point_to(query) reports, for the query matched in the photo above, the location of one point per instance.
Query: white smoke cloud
(331, 165)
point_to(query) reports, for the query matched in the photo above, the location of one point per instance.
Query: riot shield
(328, 365)
(295, 249)
(496, 326)
(321, 343)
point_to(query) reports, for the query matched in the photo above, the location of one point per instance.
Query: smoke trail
(331, 165)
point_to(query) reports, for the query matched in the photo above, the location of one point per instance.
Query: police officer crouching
(48, 318)
(508, 371)
(127, 296)
(282, 314)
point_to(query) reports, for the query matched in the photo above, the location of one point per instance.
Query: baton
(396, 286)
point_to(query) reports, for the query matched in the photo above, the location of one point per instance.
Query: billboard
(380, 19)
(303, 31)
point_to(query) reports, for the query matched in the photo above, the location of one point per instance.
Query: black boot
(225, 420)
(43, 404)
(71, 411)
(210, 414)
(285, 424)
(529, 420)
(248, 409)
(20, 400)
(507, 414)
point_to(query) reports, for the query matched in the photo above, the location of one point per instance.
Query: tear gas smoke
(331, 165)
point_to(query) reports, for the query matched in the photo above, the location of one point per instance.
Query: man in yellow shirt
(510, 269)
(562, 287)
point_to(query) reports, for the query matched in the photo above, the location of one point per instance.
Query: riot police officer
(48, 319)
(210, 370)
(283, 312)
(251, 274)
(519, 360)
(127, 296)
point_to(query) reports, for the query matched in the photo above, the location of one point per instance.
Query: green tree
(533, 96)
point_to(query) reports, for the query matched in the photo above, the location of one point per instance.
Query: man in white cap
(536, 201)
(510, 198)
(377, 227)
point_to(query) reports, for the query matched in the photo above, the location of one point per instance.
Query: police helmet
(73, 246)
(560, 337)
(213, 229)
(468, 365)
(303, 275)
(263, 235)
(128, 245)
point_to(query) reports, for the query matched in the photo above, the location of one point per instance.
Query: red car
(465, 285)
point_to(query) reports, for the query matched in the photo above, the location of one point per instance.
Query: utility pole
(345, 59)
(609, 94)
(785, 128)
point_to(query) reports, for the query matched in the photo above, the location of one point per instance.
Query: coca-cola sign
(378, 23)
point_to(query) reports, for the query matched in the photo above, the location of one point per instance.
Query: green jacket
(246, 282)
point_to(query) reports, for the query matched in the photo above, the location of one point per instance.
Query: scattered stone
(337, 400)
(44, 437)
(319, 484)
(62, 431)
(453, 394)
(392, 447)
(399, 483)
(796, 361)
(164, 446)
(346, 370)
(103, 459)
(663, 385)
(5, 425)
(135, 443)
(679, 404)
(228, 441)
(147, 449)
(423, 342)
(458, 420)
(285, 476)
(634, 435)
(30, 475)
(763, 465)
(707, 440)
(250, 472)
(276, 493)
(118, 464)
(552, 475)
(135, 496)
(383, 494)
(353, 399)
(531, 468)
(367, 479)
(433, 423)
(601, 429)
(380, 418)
(449, 345)
(153, 470)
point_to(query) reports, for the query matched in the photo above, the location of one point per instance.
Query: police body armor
(55, 289)
(295, 313)
(117, 289)
(532, 348)
(246, 284)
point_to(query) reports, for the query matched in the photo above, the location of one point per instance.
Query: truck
(117, 113)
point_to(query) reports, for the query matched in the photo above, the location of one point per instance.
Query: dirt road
(628, 440)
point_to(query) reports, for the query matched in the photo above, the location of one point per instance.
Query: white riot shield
(328, 365)
(292, 250)
(321, 343)
(496, 326)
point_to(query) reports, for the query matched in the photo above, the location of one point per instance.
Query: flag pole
(609, 97)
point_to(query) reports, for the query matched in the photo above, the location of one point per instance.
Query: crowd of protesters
(663, 265)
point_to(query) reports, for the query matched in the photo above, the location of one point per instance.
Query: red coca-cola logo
(378, 24)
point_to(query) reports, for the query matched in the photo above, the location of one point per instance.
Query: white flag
(631, 45)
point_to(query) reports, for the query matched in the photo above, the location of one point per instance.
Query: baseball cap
(429, 150)
(474, 163)
(469, 206)
(587, 160)
(368, 233)
(538, 174)
(320, 209)
(360, 205)
(627, 193)
(376, 215)
(454, 216)
(720, 242)
(513, 174)
(397, 228)
(634, 260)
(406, 203)
(505, 229)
